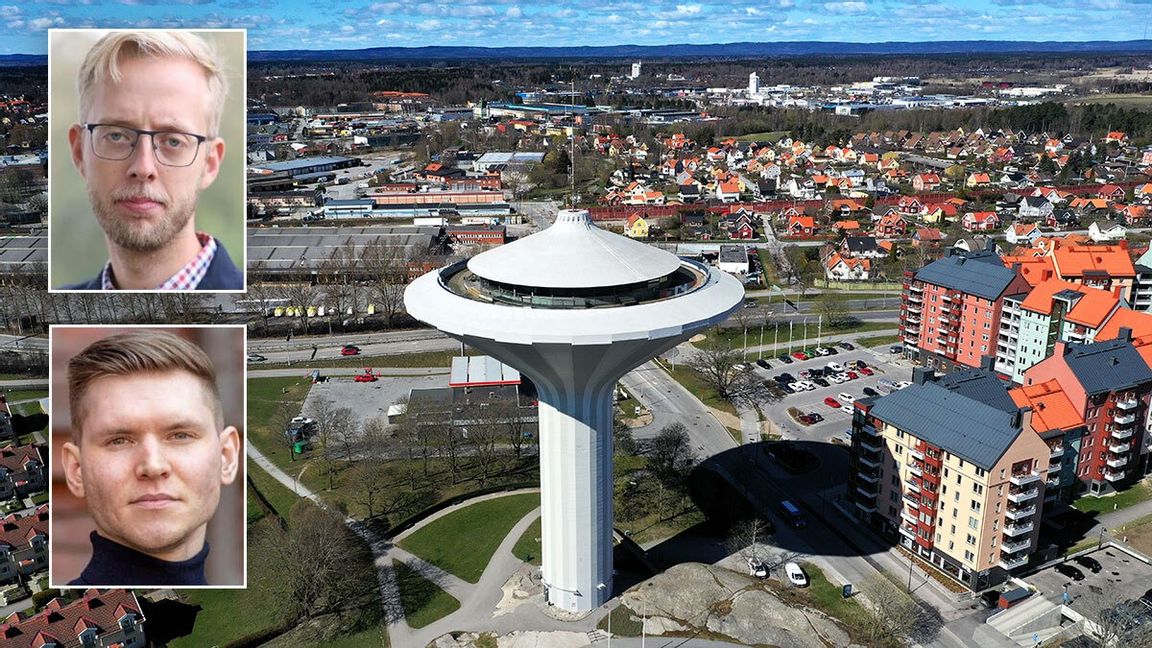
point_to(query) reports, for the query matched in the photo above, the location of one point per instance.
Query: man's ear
(229, 455)
(213, 156)
(73, 474)
(76, 143)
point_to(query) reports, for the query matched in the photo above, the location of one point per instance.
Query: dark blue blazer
(222, 275)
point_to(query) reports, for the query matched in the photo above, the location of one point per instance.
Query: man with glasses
(147, 145)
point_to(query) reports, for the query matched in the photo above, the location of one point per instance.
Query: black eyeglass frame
(200, 139)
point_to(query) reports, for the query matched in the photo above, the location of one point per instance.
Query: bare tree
(336, 429)
(371, 478)
(895, 613)
(300, 295)
(745, 536)
(418, 428)
(671, 457)
(717, 366)
(508, 413)
(1112, 617)
(387, 269)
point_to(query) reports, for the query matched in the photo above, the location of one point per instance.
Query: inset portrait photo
(146, 189)
(147, 457)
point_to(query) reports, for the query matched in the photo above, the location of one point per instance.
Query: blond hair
(135, 353)
(101, 64)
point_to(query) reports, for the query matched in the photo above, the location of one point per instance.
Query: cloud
(9, 11)
(514, 12)
(687, 10)
(40, 24)
(850, 7)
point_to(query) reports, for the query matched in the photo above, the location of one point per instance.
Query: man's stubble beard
(139, 236)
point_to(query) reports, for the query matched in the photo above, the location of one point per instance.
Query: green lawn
(1140, 492)
(254, 510)
(14, 395)
(734, 337)
(405, 360)
(423, 601)
(279, 496)
(878, 340)
(463, 541)
(528, 546)
(40, 498)
(376, 637)
(695, 383)
(269, 400)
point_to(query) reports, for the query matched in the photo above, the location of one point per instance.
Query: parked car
(805, 419)
(847, 346)
(1091, 564)
(820, 351)
(990, 599)
(895, 348)
(866, 371)
(800, 355)
(796, 576)
(847, 408)
(787, 377)
(763, 363)
(816, 418)
(901, 385)
(868, 391)
(837, 378)
(784, 358)
(835, 366)
(847, 398)
(1070, 572)
(805, 374)
(831, 350)
(757, 568)
(859, 364)
(832, 402)
(256, 357)
(349, 350)
(851, 375)
(821, 382)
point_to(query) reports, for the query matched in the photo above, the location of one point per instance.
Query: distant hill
(798, 48)
(23, 59)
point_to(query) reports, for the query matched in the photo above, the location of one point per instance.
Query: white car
(848, 408)
(807, 385)
(901, 385)
(836, 378)
(845, 397)
(821, 351)
(835, 366)
(757, 568)
(796, 576)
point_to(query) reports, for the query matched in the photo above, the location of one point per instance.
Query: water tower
(574, 308)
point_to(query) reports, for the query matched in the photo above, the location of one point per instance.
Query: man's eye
(183, 436)
(115, 137)
(173, 142)
(117, 441)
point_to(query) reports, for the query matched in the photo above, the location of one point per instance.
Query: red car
(350, 349)
(852, 375)
(367, 376)
(832, 402)
(800, 355)
(866, 371)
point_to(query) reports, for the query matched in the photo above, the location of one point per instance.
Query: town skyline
(305, 24)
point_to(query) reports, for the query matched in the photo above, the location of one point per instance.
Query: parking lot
(1120, 578)
(836, 422)
(371, 399)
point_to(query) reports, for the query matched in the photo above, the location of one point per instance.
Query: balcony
(1053, 482)
(871, 463)
(867, 507)
(1020, 513)
(911, 500)
(863, 490)
(908, 517)
(944, 319)
(906, 532)
(1125, 419)
(1013, 563)
(1122, 434)
(1056, 451)
(871, 444)
(1113, 475)
(912, 486)
(868, 477)
(1118, 462)
(947, 297)
(915, 470)
(1017, 529)
(869, 429)
(1013, 547)
(1023, 479)
(913, 318)
(916, 288)
(916, 453)
(1118, 448)
(1023, 495)
(1128, 403)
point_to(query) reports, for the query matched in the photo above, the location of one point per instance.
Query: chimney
(1124, 334)
(921, 375)
(1061, 348)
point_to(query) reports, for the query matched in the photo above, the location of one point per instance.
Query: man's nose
(143, 159)
(152, 460)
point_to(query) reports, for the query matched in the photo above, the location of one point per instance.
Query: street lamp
(1100, 540)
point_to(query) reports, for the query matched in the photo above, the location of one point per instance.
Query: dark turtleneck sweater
(114, 564)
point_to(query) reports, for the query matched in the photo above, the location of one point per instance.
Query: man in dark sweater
(149, 454)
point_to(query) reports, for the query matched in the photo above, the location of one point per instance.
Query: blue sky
(324, 24)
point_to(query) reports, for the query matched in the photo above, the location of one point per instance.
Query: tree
(336, 429)
(834, 309)
(508, 414)
(1112, 618)
(745, 536)
(371, 478)
(300, 295)
(387, 269)
(671, 457)
(894, 612)
(717, 366)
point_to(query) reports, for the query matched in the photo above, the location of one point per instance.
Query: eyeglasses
(171, 148)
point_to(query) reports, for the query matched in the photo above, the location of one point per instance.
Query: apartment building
(1060, 424)
(99, 618)
(950, 469)
(1107, 267)
(1032, 322)
(1110, 385)
(950, 309)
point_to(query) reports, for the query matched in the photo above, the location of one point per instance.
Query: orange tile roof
(1090, 310)
(1075, 260)
(847, 225)
(1051, 408)
(803, 221)
(1035, 269)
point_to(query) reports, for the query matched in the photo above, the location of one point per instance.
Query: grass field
(528, 546)
(280, 497)
(462, 542)
(1139, 492)
(734, 337)
(1127, 100)
(15, 395)
(376, 637)
(270, 399)
(694, 382)
(878, 340)
(1138, 534)
(423, 601)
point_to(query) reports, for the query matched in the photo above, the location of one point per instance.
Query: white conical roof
(573, 253)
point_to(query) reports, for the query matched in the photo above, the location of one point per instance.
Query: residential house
(963, 433)
(801, 226)
(728, 191)
(637, 226)
(862, 247)
(739, 225)
(979, 179)
(22, 471)
(927, 237)
(980, 221)
(1135, 215)
(1107, 233)
(1022, 233)
(925, 182)
(842, 268)
(23, 546)
(695, 225)
(1034, 208)
(1112, 192)
(1062, 219)
(100, 618)
(891, 225)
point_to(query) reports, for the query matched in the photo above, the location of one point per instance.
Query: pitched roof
(970, 429)
(857, 244)
(980, 385)
(1051, 408)
(15, 531)
(1090, 306)
(1079, 260)
(1108, 366)
(976, 273)
(14, 457)
(96, 608)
